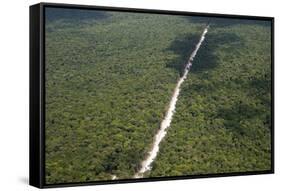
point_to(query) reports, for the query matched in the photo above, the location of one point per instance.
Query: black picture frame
(37, 94)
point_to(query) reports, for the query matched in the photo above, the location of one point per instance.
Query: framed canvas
(121, 95)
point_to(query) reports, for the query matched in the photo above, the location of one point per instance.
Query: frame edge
(36, 84)
(35, 164)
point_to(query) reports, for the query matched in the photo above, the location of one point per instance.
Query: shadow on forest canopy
(182, 46)
(205, 59)
(226, 22)
(67, 14)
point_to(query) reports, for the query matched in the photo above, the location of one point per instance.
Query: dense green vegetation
(109, 78)
(223, 116)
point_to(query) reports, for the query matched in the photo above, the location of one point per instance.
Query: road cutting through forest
(146, 164)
